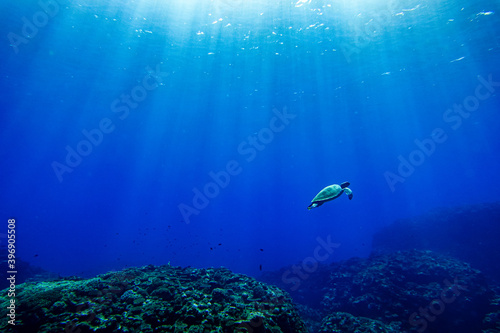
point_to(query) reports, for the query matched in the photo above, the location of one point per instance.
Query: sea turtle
(329, 193)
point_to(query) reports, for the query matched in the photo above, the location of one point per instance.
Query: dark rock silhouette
(469, 233)
(404, 291)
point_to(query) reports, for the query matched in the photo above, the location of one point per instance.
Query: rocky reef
(154, 299)
(26, 271)
(345, 322)
(414, 289)
(421, 277)
(469, 233)
(407, 291)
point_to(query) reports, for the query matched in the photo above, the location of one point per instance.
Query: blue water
(276, 100)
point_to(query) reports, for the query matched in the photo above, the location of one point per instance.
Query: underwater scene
(250, 166)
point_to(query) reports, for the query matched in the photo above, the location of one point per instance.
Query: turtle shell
(328, 193)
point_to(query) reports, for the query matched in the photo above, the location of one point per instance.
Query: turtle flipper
(345, 184)
(348, 192)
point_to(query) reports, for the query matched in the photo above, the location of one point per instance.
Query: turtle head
(311, 206)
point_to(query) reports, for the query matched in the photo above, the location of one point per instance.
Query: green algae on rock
(155, 299)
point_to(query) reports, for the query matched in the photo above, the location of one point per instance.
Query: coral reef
(154, 299)
(347, 323)
(416, 289)
(401, 291)
(26, 271)
(491, 322)
(469, 233)
(408, 291)
(402, 287)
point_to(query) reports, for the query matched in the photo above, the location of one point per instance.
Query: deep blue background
(363, 79)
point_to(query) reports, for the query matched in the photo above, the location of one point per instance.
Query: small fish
(260, 267)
